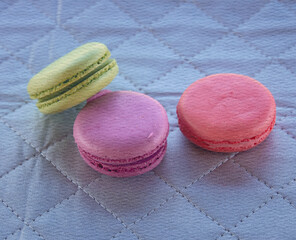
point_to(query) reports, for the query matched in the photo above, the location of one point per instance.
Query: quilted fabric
(48, 192)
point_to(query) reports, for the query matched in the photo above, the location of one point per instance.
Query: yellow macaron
(73, 78)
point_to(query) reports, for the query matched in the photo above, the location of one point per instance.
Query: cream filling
(76, 86)
(70, 81)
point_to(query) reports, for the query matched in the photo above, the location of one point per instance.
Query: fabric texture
(161, 47)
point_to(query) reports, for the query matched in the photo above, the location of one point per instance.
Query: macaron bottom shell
(126, 170)
(224, 146)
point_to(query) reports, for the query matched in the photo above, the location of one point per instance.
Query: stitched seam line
(229, 32)
(212, 169)
(55, 206)
(74, 36)
(20, 218)
(221, 22)
(262, 51)
(164, 74)
(240, 24)
(127, 39)
(150, 30)
(50, 209)
(268, 63)
(148, 213)
(179, 4)
(13, 110)
(280, 62)
(11, 234)
(288, 183)
(291, 109)
(58, 24)
(286, 131)
(130, 81)
(140, 89)
(81, 13)
(262, 181)
(71, 180)
(50, 144)
(255, 210)
(184, 58)
(270, 198)
(11, 55)
(252, 45)
(253, 176)
(15, 167)
(112, 213)
(221, 235)
(36, 39)
(196, 206)
(268, 186)
(66, 199)
(286, 199)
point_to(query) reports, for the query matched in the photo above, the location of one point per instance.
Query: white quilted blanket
(48, 192)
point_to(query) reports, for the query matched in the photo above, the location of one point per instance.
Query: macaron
(226, 112)
(73, 78)
(122, 133)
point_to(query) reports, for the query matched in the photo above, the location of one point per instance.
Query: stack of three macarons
(124, 133)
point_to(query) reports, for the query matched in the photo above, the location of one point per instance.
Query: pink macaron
(122, 133)
(226, 112)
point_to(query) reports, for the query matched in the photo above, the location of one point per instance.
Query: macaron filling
(142, 163)
(123, 161)
(72, 79)
(73, 87)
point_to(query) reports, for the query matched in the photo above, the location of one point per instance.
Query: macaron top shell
(227, 107)
(121, 126)
(63, 69)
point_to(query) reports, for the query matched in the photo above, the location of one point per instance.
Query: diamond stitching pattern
(42, 150)
(271, 26)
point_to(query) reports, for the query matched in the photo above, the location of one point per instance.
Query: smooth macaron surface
(226, 112)
(73, 78)
(122, 129)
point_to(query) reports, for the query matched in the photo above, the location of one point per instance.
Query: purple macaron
(122, 133)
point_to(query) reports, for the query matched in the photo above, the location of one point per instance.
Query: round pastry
(226, 112)
(122, 133)
(73, 78)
